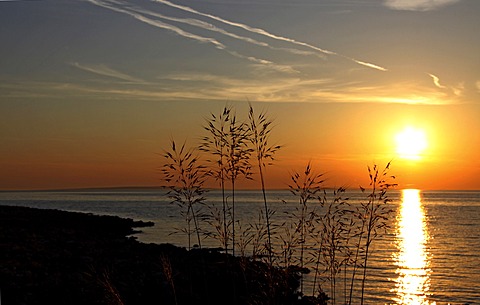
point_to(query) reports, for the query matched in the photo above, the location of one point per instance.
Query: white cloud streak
(244, 26)
(141, 15)
(266, 33)
(418, 5)
(366, 64)
(459, 91)
(159, 24)
(203, 25)
(210, 27)
(106, 71)
(436, 81)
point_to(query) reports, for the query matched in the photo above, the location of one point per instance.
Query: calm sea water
(430, 255)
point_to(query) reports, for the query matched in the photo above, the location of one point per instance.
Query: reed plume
(260, 128)
(185, 177)
(227, 142)
(306, 186)
(373, 215)
(214, 143)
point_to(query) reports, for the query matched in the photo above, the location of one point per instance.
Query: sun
(411, 142)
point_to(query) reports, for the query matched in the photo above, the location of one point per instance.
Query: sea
(428, 254)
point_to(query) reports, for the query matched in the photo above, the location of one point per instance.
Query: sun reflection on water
(412, 260)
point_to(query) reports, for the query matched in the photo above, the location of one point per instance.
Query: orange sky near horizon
(340, 140)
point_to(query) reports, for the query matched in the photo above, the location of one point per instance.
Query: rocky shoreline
(57, 257)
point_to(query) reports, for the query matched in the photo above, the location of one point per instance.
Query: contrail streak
(160, 24)
(203, 25)
(367, 64)
(267, 34)
(138, 15)
(244, 26)
(210, 27)
(106, 71)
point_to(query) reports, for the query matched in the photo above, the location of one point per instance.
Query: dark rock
(56, 257)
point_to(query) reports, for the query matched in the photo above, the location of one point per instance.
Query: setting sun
(411, 142)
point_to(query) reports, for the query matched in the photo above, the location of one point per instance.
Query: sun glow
(411, 143)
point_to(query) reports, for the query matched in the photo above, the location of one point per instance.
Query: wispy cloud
(106, 71)
(461, 91)
(436, 81)
(210, 27)
(266, 33)
(138, 14)
(366, 64)
(202, 24)
(212, 87)
(418, 5)
(160, 24)
(244, 26)
(153, 18)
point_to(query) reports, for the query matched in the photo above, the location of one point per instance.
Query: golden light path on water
(412, 260)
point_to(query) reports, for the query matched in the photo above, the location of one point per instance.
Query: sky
(92, 91)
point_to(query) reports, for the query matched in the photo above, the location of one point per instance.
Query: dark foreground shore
(56, 257)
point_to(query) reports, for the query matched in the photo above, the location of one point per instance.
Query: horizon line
(159, 187)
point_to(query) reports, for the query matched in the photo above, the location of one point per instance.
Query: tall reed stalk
(227, 143)
(373, 215)
(306, 186)
(214, 143)
(238, 155)
(332, 232)
(260, 128)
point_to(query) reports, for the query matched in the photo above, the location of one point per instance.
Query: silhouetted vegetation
(185, 176)
(260, 127)
(324, 234)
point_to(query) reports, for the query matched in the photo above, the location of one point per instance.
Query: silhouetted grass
(306, 186)
(227, 144)
(375, 213)
(185, 176)
(214, 144)
(260, 128)
(331, 232)
(323, 234)
(168, 272)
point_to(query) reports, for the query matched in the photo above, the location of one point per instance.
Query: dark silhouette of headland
(57, 257)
